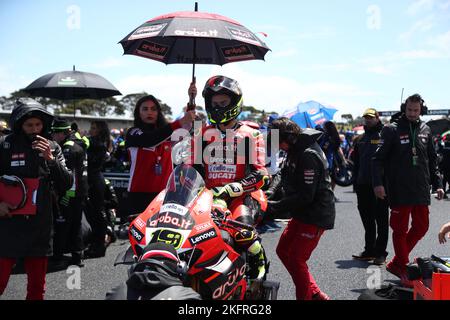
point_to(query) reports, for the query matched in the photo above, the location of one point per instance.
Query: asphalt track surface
(331, 264)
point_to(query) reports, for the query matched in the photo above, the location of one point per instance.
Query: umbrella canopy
(70, 85)
(192, 37)
(439, 126)
(310, 114)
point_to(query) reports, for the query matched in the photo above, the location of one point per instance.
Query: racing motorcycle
(182, 216)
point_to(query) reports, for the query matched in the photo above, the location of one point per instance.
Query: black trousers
(68, 236)
(95, 209)
(374, 214)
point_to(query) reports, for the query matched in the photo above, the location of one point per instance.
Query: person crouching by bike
(308, 198)
(68, 220)
(28, 154)
(231, 157)
(374, 212)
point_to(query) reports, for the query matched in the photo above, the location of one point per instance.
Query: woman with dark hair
(150, 149)
(99, 146)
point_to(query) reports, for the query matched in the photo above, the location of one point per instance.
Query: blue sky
(351, 54)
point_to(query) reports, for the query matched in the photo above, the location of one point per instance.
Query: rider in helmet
(232, 156)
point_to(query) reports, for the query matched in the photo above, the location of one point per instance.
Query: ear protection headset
(423, 107)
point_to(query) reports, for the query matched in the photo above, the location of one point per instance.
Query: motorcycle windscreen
(183, 186)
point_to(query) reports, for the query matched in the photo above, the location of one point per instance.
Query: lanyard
(414, 150)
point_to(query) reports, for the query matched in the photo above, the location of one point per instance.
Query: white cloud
(441, 42)
(268, 92)
(419, 6)
(380, 69)
(109, 62)
(420, 26)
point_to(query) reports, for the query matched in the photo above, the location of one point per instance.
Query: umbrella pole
(191, 105)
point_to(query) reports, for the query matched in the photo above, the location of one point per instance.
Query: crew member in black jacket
(68, 236)
(309, 200)
(406, 159)
(374, 211)
(28, 154)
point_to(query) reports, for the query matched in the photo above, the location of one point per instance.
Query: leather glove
(64, 201)
(231, 190)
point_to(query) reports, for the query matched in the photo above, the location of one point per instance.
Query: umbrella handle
(191, 104)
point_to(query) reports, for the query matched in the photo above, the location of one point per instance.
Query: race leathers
(237, 155)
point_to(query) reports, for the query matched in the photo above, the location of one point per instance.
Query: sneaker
(395, 269)
(380, 260)
(364, 256)
(76, 259)
(320, 296)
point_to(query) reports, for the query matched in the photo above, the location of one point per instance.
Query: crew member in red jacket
(150, 152)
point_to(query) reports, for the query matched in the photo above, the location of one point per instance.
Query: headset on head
(423, 107)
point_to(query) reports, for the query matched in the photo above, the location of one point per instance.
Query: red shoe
(320, 296)
(395, 269)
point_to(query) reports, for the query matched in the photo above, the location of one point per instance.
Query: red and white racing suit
(237, 155)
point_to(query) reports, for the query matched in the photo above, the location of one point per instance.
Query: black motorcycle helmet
(222, 85)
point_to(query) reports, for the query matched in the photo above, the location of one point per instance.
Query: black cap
(60, 124)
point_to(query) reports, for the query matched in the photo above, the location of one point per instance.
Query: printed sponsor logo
(136, 132)
(167, 236)
(203, 226)
(221, 168)
(152, 50)
(182, 59)
(148, 31)
(136, 233)
(16, 156)
(243, 35)
(220, 147)
(174, 208)
(20, 163)
(140, 223)
(237, 53)
(221, 175)
(67, 81)
(119, 183)
(219, 160)
(196, 33)
(308, 235)
(209, 234)
(167, 221)
(375, 141)
(313, 111)
(234, 277)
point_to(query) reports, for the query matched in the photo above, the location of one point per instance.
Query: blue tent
(310, 114)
